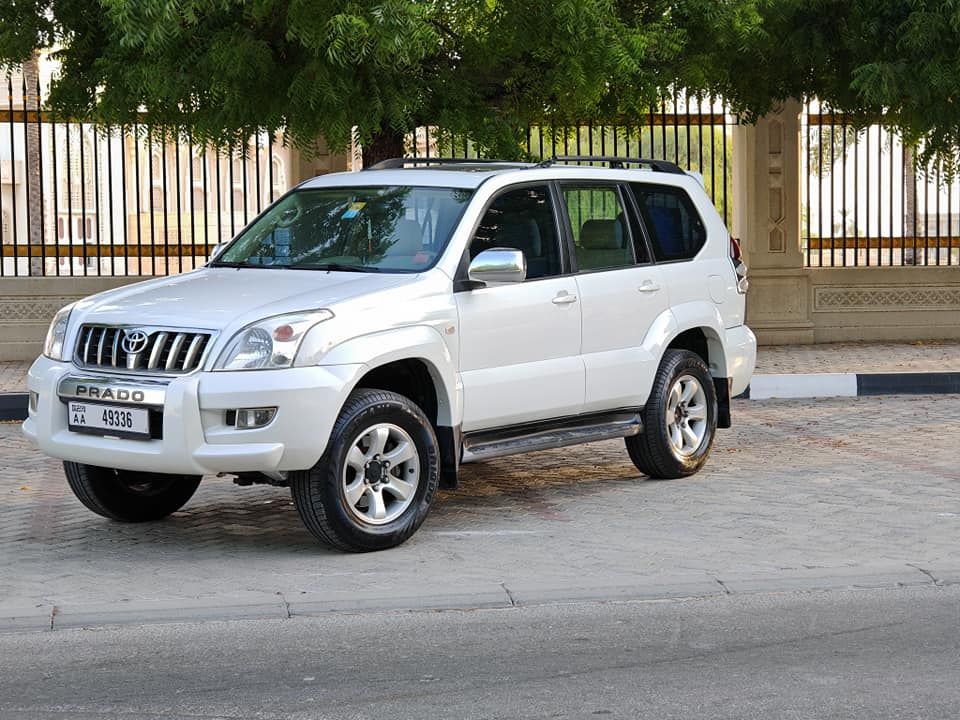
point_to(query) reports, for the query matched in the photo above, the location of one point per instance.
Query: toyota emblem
(134, 341)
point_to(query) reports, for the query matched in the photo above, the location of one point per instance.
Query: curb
(265, 605)
(816, 385)
(13, 406)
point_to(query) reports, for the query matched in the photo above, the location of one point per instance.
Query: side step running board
(516, 439)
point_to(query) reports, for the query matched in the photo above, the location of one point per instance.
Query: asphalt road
(875, 654)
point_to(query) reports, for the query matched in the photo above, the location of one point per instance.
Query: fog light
(34, 398)
(248, 418)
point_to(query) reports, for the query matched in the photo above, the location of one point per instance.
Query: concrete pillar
(766, 217)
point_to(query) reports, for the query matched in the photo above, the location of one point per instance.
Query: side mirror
(498, 265)
(217, 251)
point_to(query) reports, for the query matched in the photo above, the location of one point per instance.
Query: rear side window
(675, 228)
(601, 238)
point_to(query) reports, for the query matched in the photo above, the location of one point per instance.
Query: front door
(520, 342)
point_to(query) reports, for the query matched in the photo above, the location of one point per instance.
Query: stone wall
(28, 304)
(789, 303)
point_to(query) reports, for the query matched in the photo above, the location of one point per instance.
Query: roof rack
(617, 163)
(397, 163)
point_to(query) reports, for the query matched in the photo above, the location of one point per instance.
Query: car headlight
(269, 344)
(57, 333)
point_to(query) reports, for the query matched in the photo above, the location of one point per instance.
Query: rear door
(520, 342)
(620, 290)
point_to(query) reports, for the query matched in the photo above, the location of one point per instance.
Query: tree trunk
(387, 143)
(909, 205)
(31, 101)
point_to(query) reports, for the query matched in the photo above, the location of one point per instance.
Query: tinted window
(374, 229)
(675, 228)
(522, 219)
(601, 237)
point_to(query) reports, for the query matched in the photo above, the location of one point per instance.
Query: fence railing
(695, 133)
(78, 199)
(866, 203)
(83, 200)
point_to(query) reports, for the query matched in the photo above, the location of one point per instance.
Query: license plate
(108, 420)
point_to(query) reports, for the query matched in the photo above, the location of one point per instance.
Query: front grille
(166, 350)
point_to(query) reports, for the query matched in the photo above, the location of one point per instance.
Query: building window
(154, 183)
(279, 179)
(5, 232)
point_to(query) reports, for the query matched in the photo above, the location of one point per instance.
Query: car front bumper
(194, 437)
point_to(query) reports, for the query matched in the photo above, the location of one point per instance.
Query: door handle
(648, 287)
(564, 298)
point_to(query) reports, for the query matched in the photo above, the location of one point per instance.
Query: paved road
(871, 654)
(800, 494)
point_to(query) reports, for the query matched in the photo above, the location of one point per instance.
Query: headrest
(408, 238)
(601, 235)
(522, 234)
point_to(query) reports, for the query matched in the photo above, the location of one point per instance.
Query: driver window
(522, 219)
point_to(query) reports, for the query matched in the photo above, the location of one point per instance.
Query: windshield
(360, 229)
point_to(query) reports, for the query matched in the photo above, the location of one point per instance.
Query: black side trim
(13, 406)
(449, 440)
(934, 383)
(722, 386)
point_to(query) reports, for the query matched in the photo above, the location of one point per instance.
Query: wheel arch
(417, 352)
(416, 363)
(698, 327)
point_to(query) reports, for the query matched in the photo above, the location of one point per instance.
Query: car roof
(472, 176)
(447, 176)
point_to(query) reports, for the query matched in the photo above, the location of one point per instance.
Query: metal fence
(693, 132)
(78, 199)
(866, 203)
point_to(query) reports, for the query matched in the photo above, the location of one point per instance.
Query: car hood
(216, 298)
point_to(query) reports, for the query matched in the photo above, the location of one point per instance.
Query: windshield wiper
(336, 267)
(217, 264)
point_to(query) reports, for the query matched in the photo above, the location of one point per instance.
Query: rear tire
(679, 419)
(374, 484)
(128, 496)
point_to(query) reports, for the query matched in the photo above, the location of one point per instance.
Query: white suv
(371, 331)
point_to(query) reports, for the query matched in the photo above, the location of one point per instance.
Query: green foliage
(892, 60)
(317, 68)
(223, 69)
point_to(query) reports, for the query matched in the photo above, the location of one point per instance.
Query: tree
(894, 61)
(223, 69)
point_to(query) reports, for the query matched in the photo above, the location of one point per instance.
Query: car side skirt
(549, 434)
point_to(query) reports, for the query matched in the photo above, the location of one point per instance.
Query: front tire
(679, 419)
(373, 486)
(128, 496)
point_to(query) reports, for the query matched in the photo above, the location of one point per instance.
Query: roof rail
(397, 163)
(617, 163)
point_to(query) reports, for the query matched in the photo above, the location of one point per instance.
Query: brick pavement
(797, 492)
